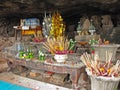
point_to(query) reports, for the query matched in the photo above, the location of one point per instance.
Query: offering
(46, 25)
(57, 25)
(41, 55)
(60, 47)
(98, 68)
(25, 54)
(103, 75)
(98, 42)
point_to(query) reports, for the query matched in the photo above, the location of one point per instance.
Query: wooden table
(74, 71)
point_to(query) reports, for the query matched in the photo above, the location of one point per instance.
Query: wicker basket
(103, 83)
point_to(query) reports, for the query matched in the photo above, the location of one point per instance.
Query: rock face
(69, 8)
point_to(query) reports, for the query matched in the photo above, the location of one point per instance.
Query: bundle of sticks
(99, 68)
(56, 44)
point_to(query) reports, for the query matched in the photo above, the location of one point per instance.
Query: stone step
(27, 82)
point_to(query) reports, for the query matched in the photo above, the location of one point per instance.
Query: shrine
(59, 45)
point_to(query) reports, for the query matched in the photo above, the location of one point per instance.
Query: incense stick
(100, 68)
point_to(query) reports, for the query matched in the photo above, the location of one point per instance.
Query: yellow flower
(101, 69)
(108, 71)
(61, 48)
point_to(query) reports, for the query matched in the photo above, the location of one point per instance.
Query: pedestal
(101, 50)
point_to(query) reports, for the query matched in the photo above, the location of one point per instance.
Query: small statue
(91, 28)
(79, 28)
(85, 27)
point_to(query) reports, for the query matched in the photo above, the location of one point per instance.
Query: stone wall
(6, 26)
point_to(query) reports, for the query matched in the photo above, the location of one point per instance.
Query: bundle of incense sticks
(100, 68)
(56, 44)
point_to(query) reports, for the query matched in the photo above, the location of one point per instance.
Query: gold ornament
(57, 27)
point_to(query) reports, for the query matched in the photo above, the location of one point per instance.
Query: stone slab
(27, 82)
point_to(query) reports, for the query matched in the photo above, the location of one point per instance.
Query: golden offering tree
(58, 26)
